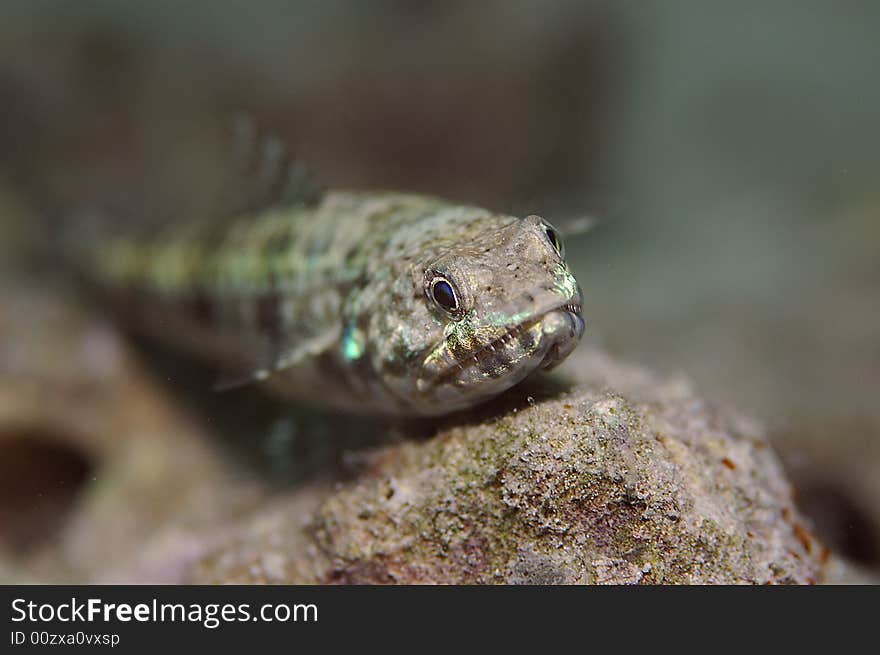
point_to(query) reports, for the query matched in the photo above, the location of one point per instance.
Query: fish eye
(554, 240)
(443, 294)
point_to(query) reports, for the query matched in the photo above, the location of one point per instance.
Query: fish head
(492, 308)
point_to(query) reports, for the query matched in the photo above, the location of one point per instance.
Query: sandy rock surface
(620, 479)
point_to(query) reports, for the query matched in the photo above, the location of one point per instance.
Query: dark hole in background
(840, 520)
(41, 476)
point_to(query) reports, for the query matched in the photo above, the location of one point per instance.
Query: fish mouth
(562, 347)
(560, 326)
(572, 310)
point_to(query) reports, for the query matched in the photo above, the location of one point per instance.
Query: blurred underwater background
(728, 155)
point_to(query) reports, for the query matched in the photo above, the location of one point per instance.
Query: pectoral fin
(277, 360)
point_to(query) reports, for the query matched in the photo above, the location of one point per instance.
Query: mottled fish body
(370, 302)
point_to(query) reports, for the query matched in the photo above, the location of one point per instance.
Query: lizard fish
(371, 302)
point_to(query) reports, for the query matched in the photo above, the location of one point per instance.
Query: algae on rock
(621, 479)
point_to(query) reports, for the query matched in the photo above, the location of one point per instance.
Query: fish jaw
(455, 378)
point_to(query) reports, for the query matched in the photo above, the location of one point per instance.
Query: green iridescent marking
(352, 344)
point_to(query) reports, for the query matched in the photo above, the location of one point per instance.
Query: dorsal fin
(264, 173)
(575, 224)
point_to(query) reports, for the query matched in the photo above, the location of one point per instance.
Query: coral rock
(618, 480)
